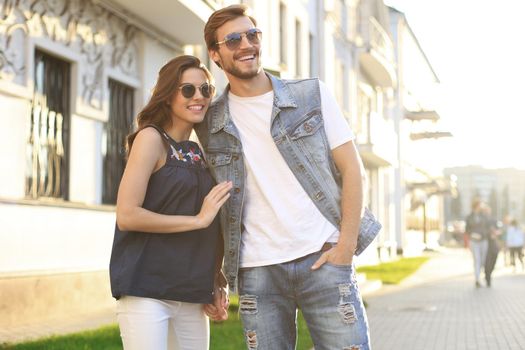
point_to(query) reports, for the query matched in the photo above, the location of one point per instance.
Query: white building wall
(13, 139)
(84, 169)
(49, 235)
(50, 239)
(154, 56)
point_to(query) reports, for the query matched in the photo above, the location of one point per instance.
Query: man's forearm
(348, 162)
(351, 208)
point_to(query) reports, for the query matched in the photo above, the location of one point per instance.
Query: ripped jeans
(329, 299)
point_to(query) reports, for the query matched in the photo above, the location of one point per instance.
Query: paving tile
(445, 311)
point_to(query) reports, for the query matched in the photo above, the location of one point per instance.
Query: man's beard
(236, 72)
(244, 75)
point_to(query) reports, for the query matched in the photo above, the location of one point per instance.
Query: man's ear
(215, 57)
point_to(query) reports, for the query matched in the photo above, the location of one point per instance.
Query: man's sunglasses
(233, 40)
(188, 90)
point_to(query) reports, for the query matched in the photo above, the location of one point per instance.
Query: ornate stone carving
(101, 38)
(13, 31)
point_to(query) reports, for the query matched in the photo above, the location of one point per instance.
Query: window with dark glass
(298, 49)
(282, 34)
(118, 126)
(314, 70)
(47, 155)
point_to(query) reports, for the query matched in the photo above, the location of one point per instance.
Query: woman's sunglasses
(233, 40)
(188, 90)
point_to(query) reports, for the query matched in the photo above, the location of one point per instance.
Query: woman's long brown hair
(158, 111)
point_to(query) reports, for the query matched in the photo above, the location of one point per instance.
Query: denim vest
(298, 132)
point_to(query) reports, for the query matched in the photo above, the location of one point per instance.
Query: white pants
(479, 253)
(155, 324)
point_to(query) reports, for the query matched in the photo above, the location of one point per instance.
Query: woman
(165, 262)
(515, 242)
(477, 230)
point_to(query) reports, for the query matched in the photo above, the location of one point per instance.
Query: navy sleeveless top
(178, 266)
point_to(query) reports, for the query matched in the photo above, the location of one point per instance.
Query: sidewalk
(444, 264)
(72, 324)
(439, 308)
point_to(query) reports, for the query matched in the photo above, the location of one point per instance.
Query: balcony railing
(379, 40)
(377, 57)
(376, 138)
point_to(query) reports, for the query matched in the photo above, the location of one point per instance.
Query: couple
(290, 188)
(482, 233)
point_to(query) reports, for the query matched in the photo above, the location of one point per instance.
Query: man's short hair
(218, 18)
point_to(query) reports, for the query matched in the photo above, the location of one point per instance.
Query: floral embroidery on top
(193, 155)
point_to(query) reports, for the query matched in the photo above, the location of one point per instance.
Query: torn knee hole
(251, 340)
(347, 312)
(248, 304)
(345, 290)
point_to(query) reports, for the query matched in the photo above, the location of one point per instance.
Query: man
(291, 225)
(477, 230)
(493, 246)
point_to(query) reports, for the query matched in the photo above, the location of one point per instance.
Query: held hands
(218, 311)
(217, 196)
(337, 255)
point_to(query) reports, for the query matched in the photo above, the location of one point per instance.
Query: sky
(477, 49)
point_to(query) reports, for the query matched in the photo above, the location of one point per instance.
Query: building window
(282, 34)
(368, 198)
(47, 172)
(298, 49)
(339, 83)
(352, 21)
(313, 57)
(344, 18)
(118, 126)
(364, 109)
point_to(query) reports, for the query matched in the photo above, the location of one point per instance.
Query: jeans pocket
(346, 267)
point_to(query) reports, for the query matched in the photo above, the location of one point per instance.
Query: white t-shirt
(281, 223)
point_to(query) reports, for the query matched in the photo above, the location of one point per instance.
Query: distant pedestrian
(503, 238)
(477, 231)
(515, 243)
(494, 244)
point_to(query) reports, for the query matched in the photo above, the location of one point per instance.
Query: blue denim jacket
(297, 129)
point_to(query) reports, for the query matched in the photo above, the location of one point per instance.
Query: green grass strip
(106, 338)
(224, 336)
(393, 272)
(227, 335)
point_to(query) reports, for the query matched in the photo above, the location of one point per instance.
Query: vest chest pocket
(310, 138)
(307, 127)
(220, 165)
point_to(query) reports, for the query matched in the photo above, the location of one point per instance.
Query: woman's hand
(218, 311)
(217, 196)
